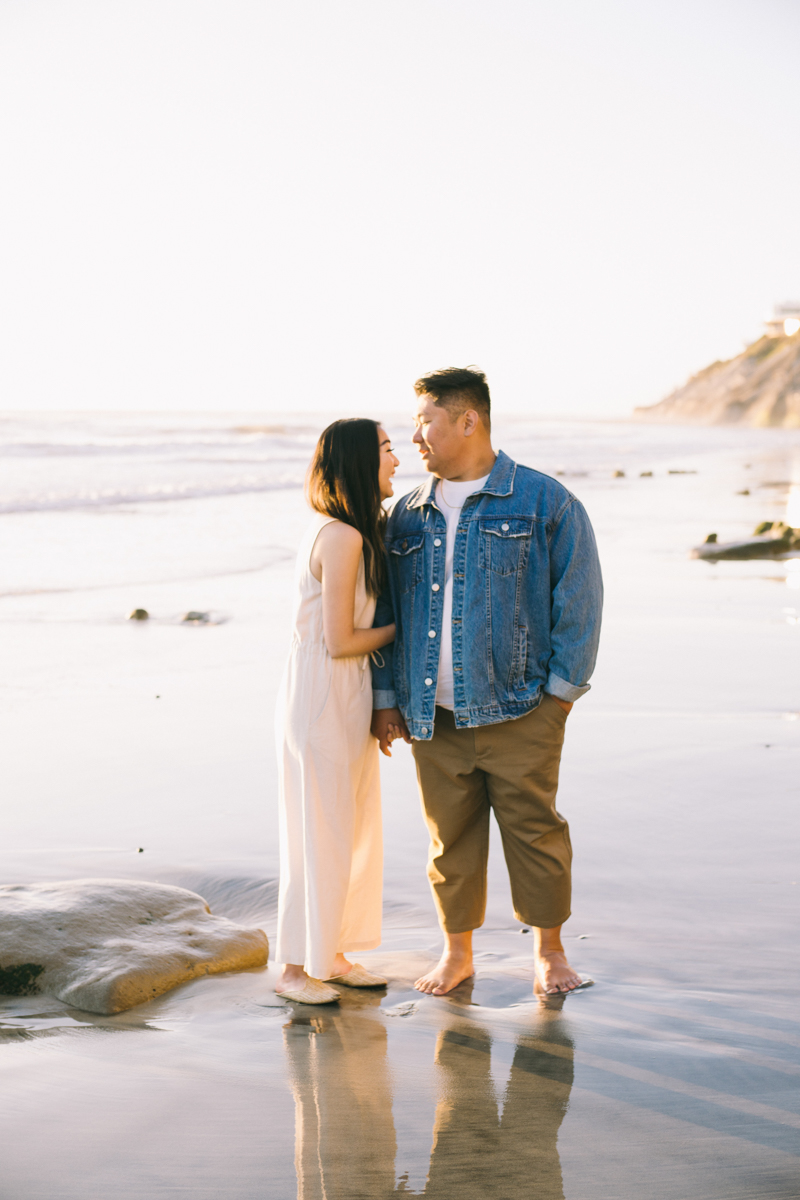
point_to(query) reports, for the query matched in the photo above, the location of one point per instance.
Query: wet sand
(676, 1077)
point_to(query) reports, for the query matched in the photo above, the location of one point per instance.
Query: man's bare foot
(340, 967)
(553, 974)
(448, 973)
(453, 967)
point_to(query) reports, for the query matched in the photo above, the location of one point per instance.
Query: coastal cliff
(759, 388)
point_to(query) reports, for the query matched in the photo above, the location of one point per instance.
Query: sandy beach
(677, 1077)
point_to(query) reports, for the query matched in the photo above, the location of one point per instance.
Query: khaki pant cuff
(548, 923)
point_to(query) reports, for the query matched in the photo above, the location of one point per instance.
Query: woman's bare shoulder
(339, 536)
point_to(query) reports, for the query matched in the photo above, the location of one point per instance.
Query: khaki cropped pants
(511, 768)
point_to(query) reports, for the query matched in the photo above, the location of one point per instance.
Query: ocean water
(122, 464)
(53, 461)
(101, 513)
(145, 750)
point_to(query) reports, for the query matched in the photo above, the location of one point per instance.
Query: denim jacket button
(431, 633)
(435, 587)
(504, 528)
(424, 729)
(428, 682)
(437, 541)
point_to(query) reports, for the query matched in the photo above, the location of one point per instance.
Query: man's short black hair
(458, 389)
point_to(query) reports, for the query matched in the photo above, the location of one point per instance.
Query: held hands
(387, 726)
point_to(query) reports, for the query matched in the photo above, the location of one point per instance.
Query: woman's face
(387, 465)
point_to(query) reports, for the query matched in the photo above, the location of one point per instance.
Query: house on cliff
(785, 320)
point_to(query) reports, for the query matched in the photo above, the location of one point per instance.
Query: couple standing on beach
(478, 602)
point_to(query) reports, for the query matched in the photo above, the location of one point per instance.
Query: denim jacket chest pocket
(405, 558)
(504, 543)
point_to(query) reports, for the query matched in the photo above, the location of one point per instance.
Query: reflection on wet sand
(481, 1149)
(479, 1153)
(344, 1134)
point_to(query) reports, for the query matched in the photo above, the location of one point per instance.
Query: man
(497, 593)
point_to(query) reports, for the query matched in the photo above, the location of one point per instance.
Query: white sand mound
(106, 944)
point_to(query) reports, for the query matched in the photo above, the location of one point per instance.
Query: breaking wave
(106, 498)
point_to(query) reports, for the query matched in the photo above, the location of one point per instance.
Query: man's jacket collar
(499, 483)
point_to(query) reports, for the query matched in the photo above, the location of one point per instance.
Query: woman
(331, 847)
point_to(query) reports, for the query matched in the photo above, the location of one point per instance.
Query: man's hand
(565, 704)
(387, 725)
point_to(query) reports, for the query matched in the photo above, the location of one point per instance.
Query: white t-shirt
(450, 498)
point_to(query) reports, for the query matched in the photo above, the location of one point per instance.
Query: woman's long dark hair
(343, 483)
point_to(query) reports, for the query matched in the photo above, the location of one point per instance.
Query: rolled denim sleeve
(576, 587)
(383, 694)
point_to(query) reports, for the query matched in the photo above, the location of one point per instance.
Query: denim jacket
(527, 598)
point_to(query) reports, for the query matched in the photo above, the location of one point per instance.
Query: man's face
(438, 437)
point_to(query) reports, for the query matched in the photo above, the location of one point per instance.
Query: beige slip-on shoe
(359, 976)
(314, 991)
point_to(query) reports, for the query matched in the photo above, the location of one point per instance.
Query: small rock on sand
(138, 614)
(105, 945)
(771, 539)
(196, 618)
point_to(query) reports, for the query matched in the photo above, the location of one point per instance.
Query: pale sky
(250, 204)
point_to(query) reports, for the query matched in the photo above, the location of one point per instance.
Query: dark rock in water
(20, 980)
(744, 492)
(681, 472)
(138, 614)
(645, 474)
(751, 548)
(618, 475)
(196, 618)
(772, 539)
(779, 530)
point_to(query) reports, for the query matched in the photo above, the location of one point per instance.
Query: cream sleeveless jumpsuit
(331, 848)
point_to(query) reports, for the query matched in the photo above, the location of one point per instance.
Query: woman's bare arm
(334, 561)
